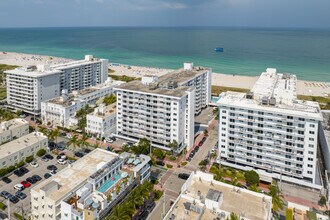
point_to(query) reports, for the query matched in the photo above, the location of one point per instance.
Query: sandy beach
(246, 82)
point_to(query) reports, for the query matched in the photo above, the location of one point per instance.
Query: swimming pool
(215, 99)
(109, 183)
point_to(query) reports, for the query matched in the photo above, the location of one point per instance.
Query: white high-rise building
(159, 112)
(271, 131)
(28, 87)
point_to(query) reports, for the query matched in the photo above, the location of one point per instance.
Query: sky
(224, 13)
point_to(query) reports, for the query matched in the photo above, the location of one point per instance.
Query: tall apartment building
(28, 87)
(60, 111)
(18, 149)
(13, 129)
(271, 131)
(160, 111)
(204, 198)
(89, 188)
(102, 122)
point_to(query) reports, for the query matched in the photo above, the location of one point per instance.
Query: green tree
(120, 212)
(251, 178)
(158, 153)
(277, 197)
(54, 134)
(173, 145)
(41, 152)
(216, 113)
(142, 147)
(206, 133)
(109, 99)
(83, 141)
(322, 201)
(232, 216)
(74, 142)
(29, 159)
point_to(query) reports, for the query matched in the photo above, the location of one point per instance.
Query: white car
(34, 164)
(69, 136)
(108, 140)
(19, 187)
(61, 161)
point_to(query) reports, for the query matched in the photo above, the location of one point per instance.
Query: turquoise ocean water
(305, 53)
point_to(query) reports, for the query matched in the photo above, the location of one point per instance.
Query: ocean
(247, 51)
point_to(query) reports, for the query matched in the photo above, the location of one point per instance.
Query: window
(309, 172)
(312, 125)
(311, 139)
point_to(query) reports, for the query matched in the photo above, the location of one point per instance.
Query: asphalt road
(24, 206)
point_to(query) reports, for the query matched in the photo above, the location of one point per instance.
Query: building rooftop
(204, 198)
(168, 85)
(12, 124)
(104, 111)
(32, 72)
(20, 143)
(73, 176)
(135, 163)
(88, 60)
(273, 92)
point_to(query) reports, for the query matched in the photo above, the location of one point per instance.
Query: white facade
(18, 149)
(28, 87)
(160, 114)
(269, 130)
(12, 129)
(82, 194)
(102, 122)
(61, 111)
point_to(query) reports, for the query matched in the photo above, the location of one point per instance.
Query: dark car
(5, 194)
(150, 206)
(204, 139)
(51, 167)
(63, 134)
(60, 148)
(44, 158)
(183, 176)
(79, 154)
(47, 175)
(6, 180)
(31, 180)
(48, 156)
(200, 143)
(24, 170)
(20, 195)
(160, 163)
(86, 151)
(37, 177)
(192, 154)
(18, 173)
(13, 199)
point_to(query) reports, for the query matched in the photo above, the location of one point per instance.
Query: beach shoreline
(310, 88)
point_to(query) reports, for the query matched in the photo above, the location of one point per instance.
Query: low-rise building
(61, 111)
(18, 149)
(12, 129)
(102, 122)
(204, 198)
(90, 187)
(271, 131)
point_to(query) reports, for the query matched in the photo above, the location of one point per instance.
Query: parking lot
(23, 207)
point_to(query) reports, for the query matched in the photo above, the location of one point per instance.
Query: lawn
(123, 78)
(220, 89)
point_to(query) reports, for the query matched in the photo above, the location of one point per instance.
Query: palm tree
(74, 141)
(83, 141)
(120, 212)
(277, 197)
(173, 145)
(55, 134)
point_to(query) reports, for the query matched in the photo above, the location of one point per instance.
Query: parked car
(183, 176)
(51, 167)
(63, 134)
(61, 161)
(18, 173)
(48, 156)
(108, 140)
(37, 177)
(19, 187)
(60, 148)
(52, 172)
(200, 143)
(26, 184)
(71, 161)
(13, 199)
(160, 163)
(6, 180)
(20, 195)
(61, 156)
(24, 170)
(34, 164)
(79, 154)
(204, 139)
(31, 180)
(44, 158)
(47, 175)
(86, 150)
(5, 194)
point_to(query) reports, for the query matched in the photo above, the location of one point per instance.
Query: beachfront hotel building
(102, 122)
(162, 109)
(204, 198)
(271, 131)
(28, 87)
(61, 111)
(17, 150)
(89, 193)
(13, 129)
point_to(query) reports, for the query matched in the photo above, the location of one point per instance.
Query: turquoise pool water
(109, 183)
(215, 99)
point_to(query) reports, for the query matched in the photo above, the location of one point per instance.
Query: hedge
(2, 206)
(41, 152)
(29, 159)
(169, 165)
